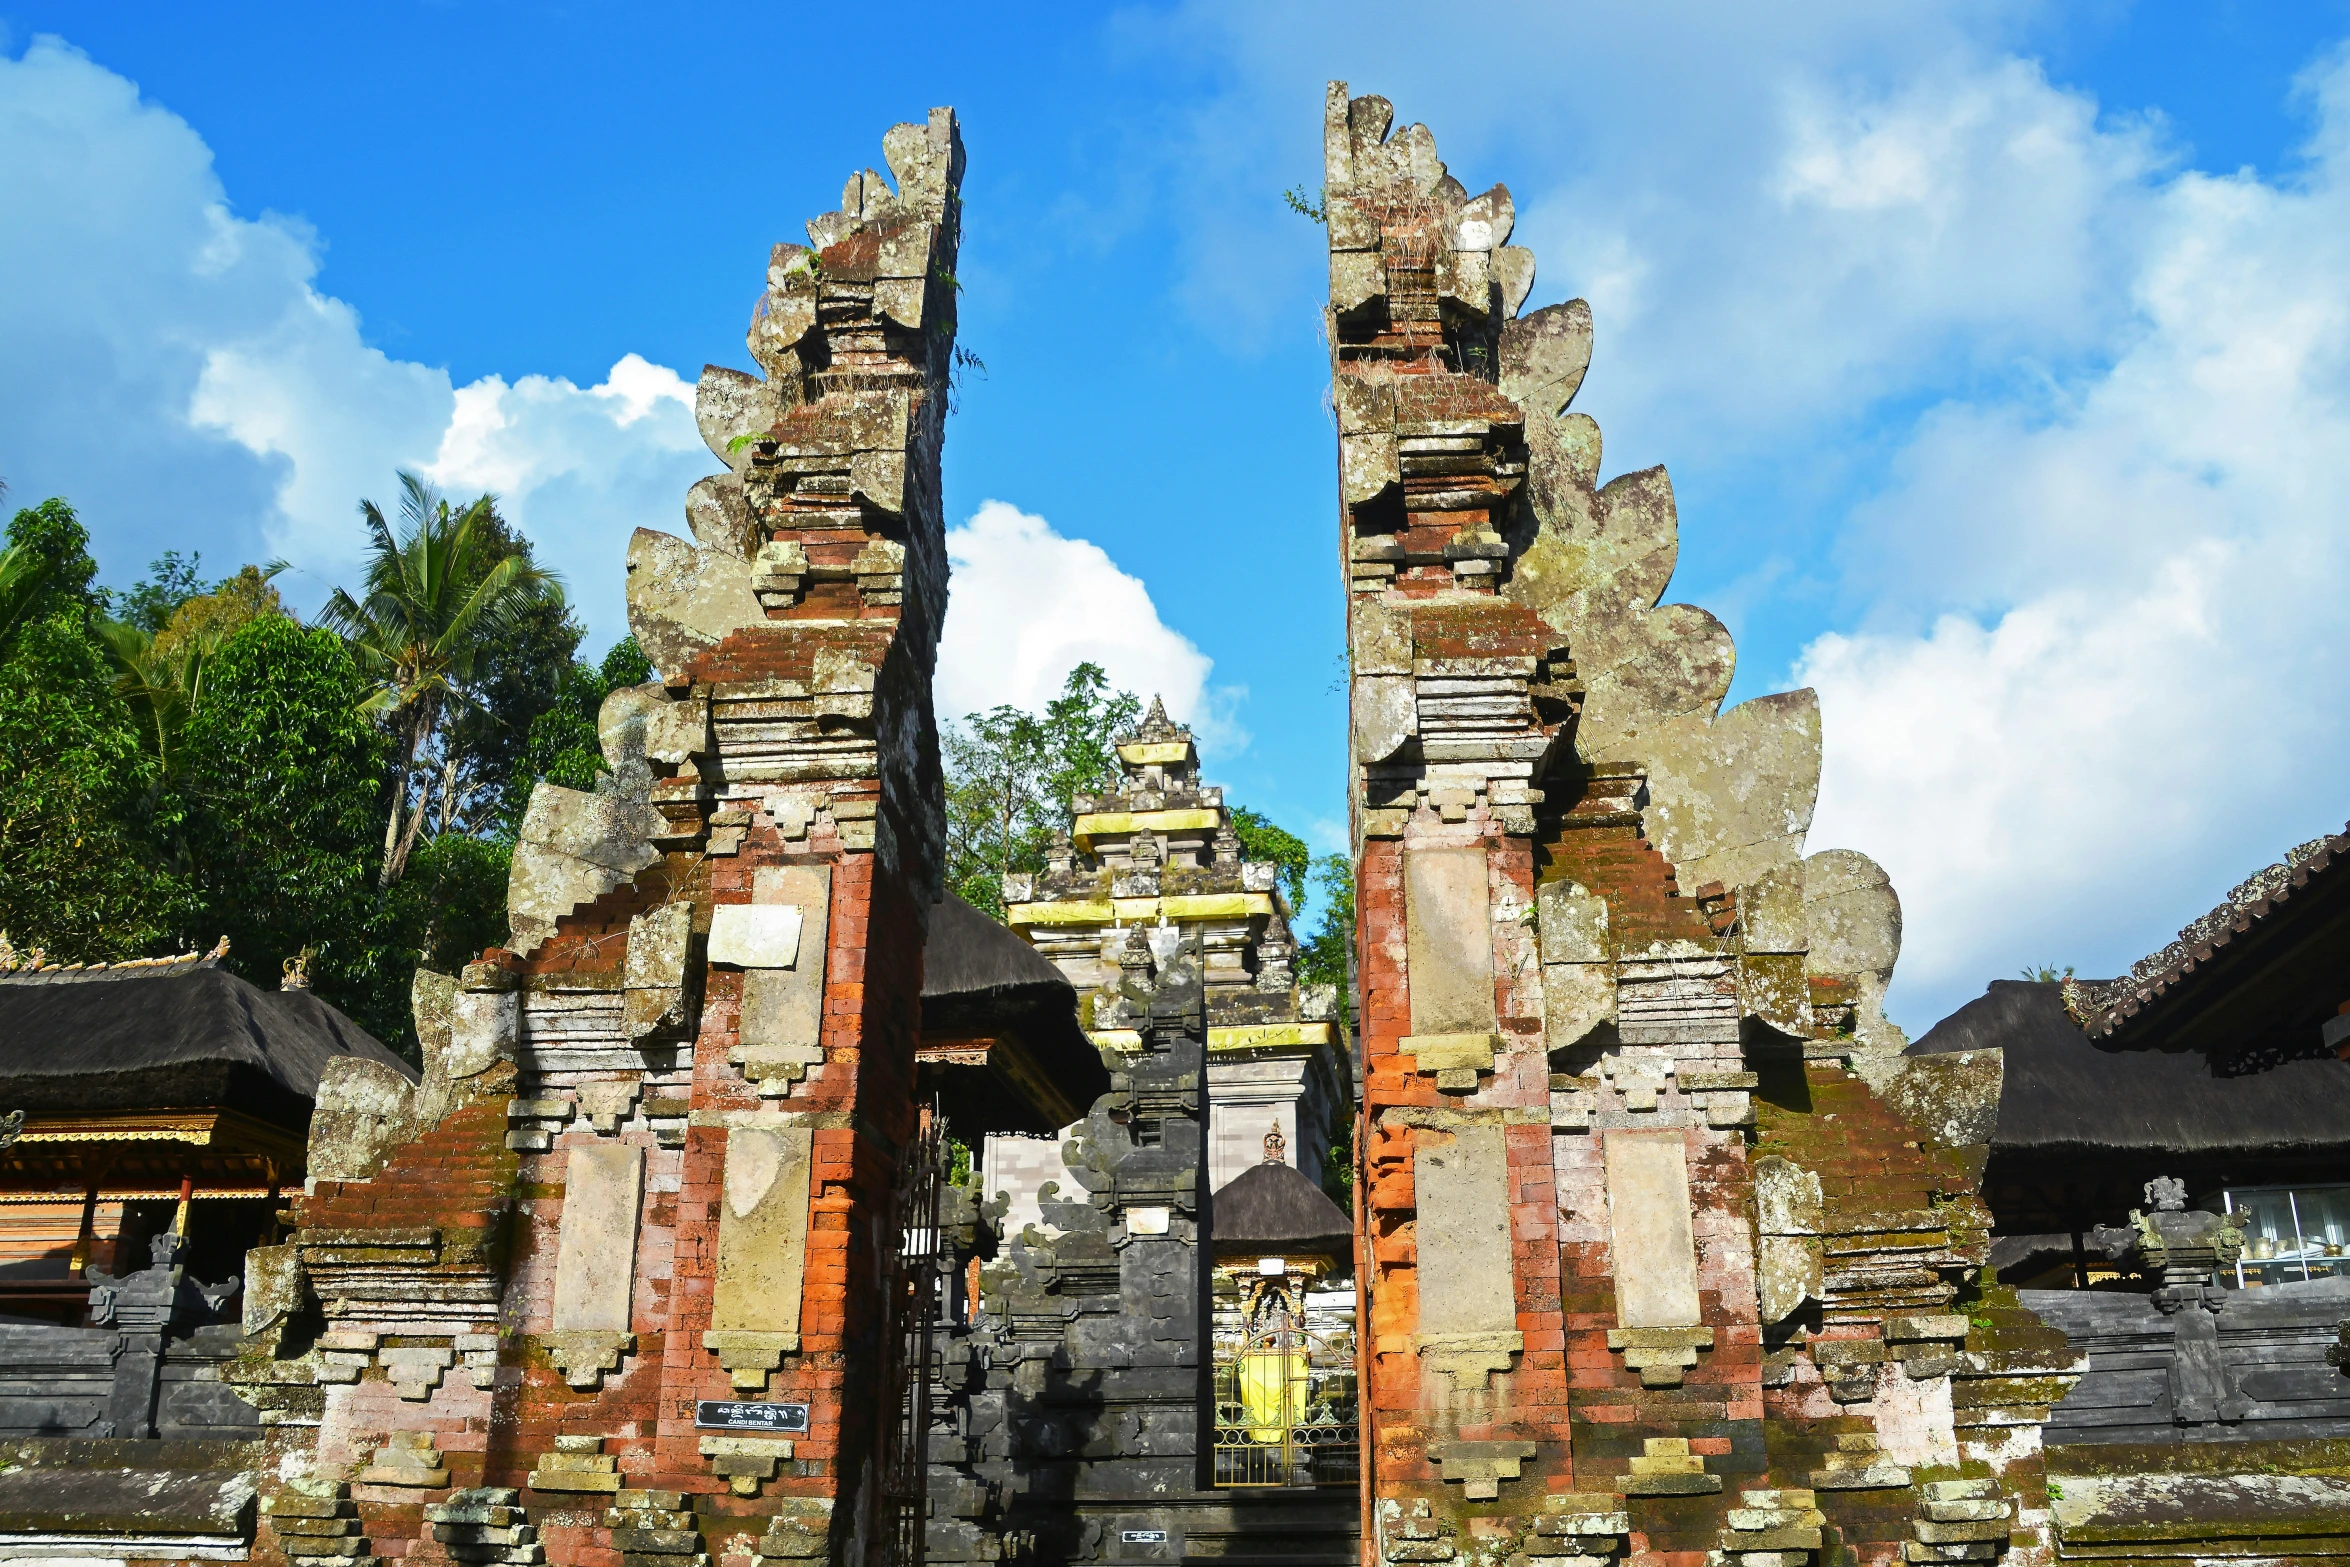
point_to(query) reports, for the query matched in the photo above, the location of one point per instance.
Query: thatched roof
(176, 1034)
(2064, 1092)
(982, 983)
(1273, 1208)
(971, 957)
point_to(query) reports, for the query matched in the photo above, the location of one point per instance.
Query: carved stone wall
(652, 1157)
(1592, 948)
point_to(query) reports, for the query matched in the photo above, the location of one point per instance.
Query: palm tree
(433, 597)
(160, 690)
(161, 673)
(24, 572)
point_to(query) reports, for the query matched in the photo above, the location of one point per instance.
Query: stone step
(661, 1542)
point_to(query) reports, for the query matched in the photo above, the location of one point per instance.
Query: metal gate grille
(910, 1298)
(1285, 1396)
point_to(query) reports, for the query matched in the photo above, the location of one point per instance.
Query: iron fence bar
(910, 1281)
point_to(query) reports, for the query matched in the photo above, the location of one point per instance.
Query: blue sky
(1998, 353)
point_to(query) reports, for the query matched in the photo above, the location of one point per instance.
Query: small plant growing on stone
(1316, 206)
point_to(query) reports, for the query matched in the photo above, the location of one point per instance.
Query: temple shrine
(1607, 1220)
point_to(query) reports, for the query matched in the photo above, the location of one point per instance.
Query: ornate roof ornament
(1156, 725)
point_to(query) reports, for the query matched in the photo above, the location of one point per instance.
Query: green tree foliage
(77, 800)
(1338, 1160)
(1011, 775)
(181, 760)
(1262, 841)
(149, 604)
(160, 673)
(562, 746)
(283, 791)
(208, 619)
(1327, 956)
(523, 669)
(24, 580)
(1081, 729)
(451, 906)
(437, 595)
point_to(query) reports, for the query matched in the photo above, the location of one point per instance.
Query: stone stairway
(1277, 1528)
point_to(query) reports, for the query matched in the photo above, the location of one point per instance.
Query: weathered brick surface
(1516, 691)
(799, 738)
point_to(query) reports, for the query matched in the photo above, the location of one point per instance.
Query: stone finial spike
(1156, 720)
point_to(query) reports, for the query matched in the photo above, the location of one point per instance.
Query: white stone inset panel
(1655, 1245)
(784, 1004)
(1461, 1186)
(762, 1230)
(595, 1253)
(746, 935)
(1448, 927)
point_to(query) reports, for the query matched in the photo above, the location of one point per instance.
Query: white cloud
(173, 371)
(1027, 604)
(2149, 706)
(165, 352)
(581, 467)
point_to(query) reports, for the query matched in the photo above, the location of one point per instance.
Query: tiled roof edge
(2106, 1007)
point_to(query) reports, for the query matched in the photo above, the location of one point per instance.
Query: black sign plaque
(1143, 1537)
(718, 1414)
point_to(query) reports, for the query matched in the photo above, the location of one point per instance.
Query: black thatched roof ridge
(1273, 1207)
(2064, 1092)
(2106, 1007)
(968, 954)
(981, 980)
(166, 1034)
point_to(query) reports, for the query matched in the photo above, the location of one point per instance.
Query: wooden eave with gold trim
(153, 1148)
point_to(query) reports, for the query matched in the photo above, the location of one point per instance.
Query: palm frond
(24, 571)
(161, 691)
(379, 532)
(419, 500)
(127, 648)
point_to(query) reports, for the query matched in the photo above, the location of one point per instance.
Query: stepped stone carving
(657, 1130)
(1603, 977)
